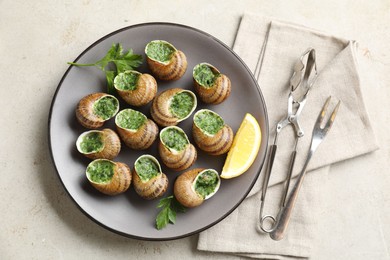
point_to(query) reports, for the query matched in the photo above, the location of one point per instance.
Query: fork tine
(323, 112)
(332, 117)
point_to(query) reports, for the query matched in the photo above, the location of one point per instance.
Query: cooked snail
(95, 144)
(212, 86)
(93, 110)
(175, 149)
(135, 88)
(173, 106)
(109, 177)
(165, 61)
(135, 129)
(195, 186)
(210, 132)
(149, 181)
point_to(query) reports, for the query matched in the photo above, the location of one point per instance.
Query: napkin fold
(270, 49)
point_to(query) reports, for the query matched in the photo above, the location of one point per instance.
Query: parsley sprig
(122, 61)
(170, 206)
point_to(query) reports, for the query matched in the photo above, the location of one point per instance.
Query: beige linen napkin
(270, 49)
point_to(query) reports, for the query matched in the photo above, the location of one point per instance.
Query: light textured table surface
(37, 38)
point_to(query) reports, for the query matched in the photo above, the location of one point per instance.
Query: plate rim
(264, 138)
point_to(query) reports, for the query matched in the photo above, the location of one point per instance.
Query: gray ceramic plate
(128, 214)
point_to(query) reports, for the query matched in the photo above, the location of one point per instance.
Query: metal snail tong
(301, 82)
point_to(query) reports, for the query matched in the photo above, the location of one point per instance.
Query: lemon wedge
(246, 144)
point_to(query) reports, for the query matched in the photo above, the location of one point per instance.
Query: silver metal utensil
(302, 80)
(319, 132)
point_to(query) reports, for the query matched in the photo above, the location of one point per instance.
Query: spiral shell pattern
(119, 182)
(85, 111)
(154, 187)
(174, 69)
(160, 109)
(139, 139)
(110, 148)
(145, 90)
(218, 92)
(217, 144)
(184, 189)
(177, 160)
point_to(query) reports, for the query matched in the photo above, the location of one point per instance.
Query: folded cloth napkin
(270, 49)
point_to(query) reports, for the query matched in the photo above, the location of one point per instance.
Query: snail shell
(212, 142)
(109, 144)
(177, 153)
(135, 88)
(149, 188)
(117, 183)
(185, 190)
(161, 110)
(135, 129)
(91, 115)
(212, 88)
(172, 66)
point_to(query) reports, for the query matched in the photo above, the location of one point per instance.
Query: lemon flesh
(244, 150)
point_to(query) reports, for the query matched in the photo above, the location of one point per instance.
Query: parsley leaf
(164, 202)
(167, 215)
(122, 61)
(162, 219)
(172, 216)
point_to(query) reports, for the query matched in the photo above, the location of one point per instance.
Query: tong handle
(283, 217)
(271, 159)
(288, 178)
(286, 188)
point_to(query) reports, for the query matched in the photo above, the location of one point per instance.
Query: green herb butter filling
(208, 121)
(146, 168)
(105, 107)
(126, 80)
(206, 183)
(204, 75)
(160, 51)
(182, 104)
(100, 171)
(174, 139)
(91, 142)
(130, 119)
